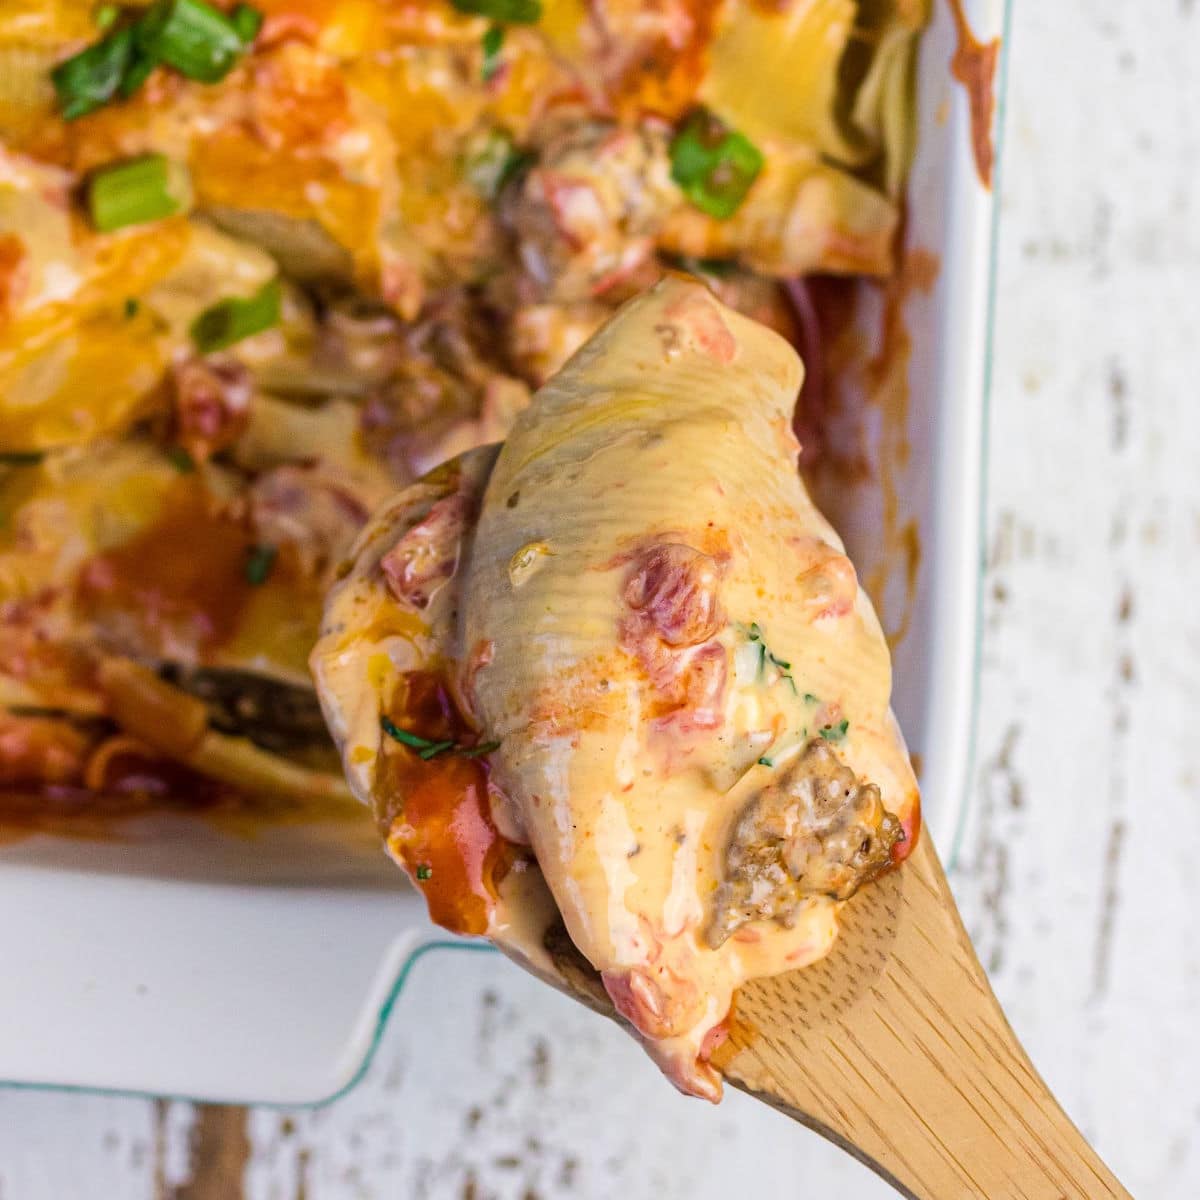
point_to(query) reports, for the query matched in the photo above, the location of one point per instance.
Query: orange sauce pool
(435, 813)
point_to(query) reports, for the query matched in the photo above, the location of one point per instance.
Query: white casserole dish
(189, 963)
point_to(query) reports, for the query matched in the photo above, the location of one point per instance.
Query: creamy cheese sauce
(692, 624)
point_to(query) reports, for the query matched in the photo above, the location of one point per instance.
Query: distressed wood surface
(1077, 876)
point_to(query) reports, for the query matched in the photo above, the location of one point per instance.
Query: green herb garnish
(21, 458)
(766, 762)
(259, 563)
(428, 748)
(91, 78)
(714, 165)
(231, 320)
(809, 698)
(517, 12)
(436, 748)
(247, 21)
(199, 41)
(402, 735)
(424, 871)
(835, 733)
(196, 39)
(131, 307)
(134, 192)
(492, 41)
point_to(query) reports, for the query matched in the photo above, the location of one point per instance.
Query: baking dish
(184, 961)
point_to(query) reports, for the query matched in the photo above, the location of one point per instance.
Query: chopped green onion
(131, 307)
(519, 12)
(181, 460)
(754, 633)
(432, 751)
(835, 733)
(493, 39)
(196, 39)
(234, 319)
(424, 871)
(21, 458)
(778, 662)
(259, 563)
(809, 698)
(134, 192)
(713, 164)
(137, 72)
(106, 16)
(766, 762)
(92, 77)
(247, 21)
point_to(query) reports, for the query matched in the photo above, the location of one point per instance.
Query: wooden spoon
(894, 1048)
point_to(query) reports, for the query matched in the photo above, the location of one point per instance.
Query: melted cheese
(672, 426)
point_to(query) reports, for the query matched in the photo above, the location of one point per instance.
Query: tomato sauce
(435, 813)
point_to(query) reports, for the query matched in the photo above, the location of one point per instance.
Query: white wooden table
(1079, 880)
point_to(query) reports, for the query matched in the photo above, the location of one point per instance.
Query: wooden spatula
(894, 1048)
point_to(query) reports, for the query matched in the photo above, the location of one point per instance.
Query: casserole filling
(264, 264)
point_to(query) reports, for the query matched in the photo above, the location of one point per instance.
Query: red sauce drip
(435, 813)
(180, 582)
(974, 66)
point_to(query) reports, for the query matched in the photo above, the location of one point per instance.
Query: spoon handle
(895, 1048)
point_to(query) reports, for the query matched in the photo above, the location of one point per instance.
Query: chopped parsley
(131, 307)
(427, 748)
(835, 733)
(766, 762)
(259, 562)
(424, 871)
(755, 634)
(492, 41)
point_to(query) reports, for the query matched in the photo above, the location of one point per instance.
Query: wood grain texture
(895, 1048)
